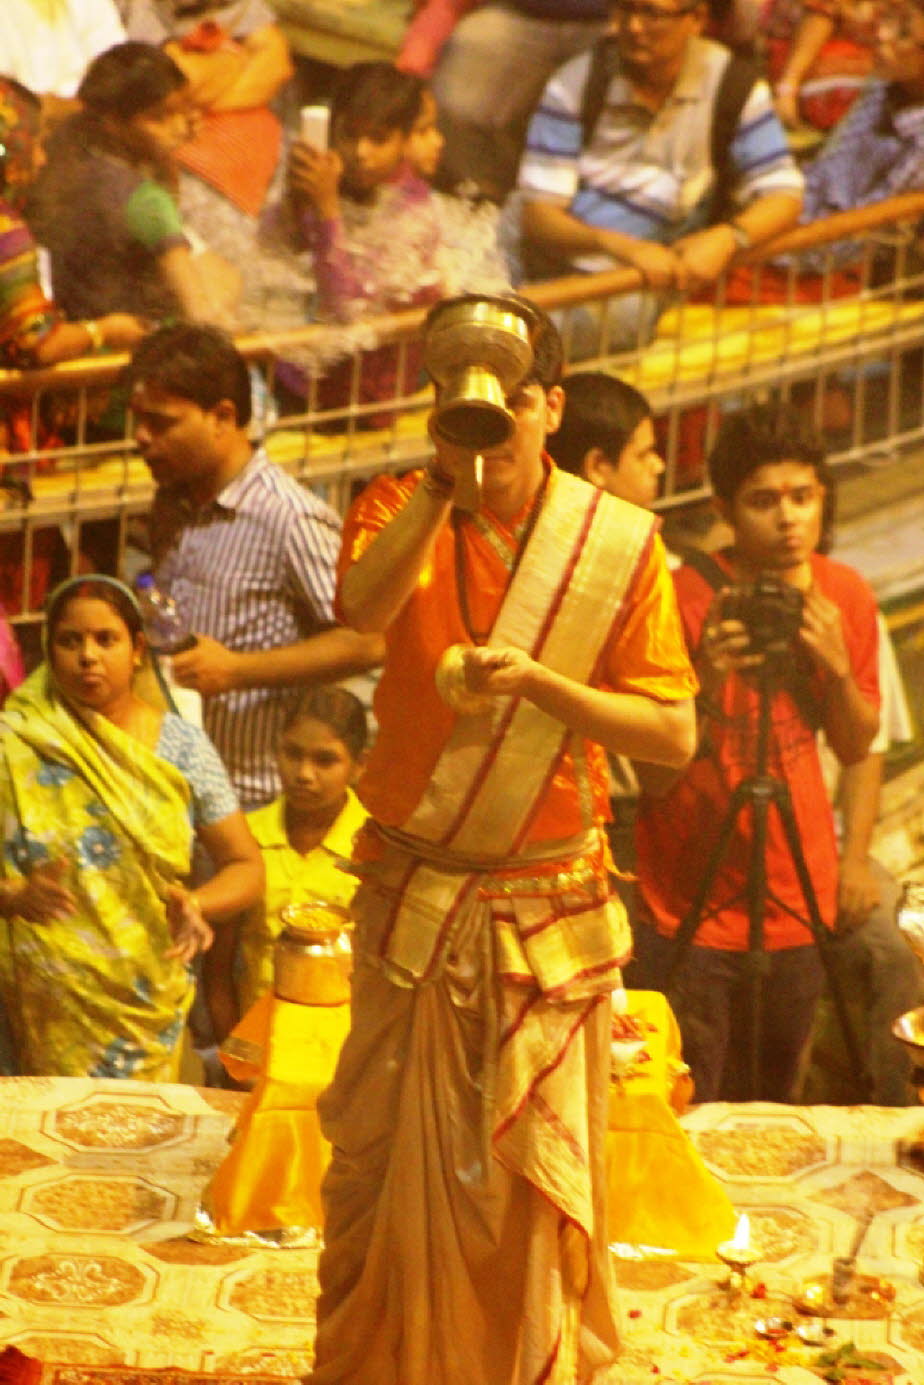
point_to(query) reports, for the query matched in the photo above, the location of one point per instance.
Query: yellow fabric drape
(660, 1195)
(270, 1181)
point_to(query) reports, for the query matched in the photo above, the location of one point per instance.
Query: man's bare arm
(212, 668)
(623, 723)
(552, 226)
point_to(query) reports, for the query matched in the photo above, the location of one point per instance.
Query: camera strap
(793, 679)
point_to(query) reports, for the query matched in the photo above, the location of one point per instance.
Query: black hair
(128, 79)
(600, 411)
(376, 96)
(91, 588)
(120, 83)
(548, 352)
(339, 710)
(196, 362)
(760, 435)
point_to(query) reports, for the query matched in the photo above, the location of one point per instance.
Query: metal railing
(848, 337)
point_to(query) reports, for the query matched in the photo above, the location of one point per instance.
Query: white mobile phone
(315, 122)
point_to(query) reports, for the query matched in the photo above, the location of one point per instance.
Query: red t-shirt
(676, 833)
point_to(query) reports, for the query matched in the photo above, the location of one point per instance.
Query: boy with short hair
(770, 480)
(607, 436)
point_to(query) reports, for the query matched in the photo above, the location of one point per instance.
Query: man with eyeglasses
(643, 180)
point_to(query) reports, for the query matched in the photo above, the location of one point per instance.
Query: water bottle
(167, 634)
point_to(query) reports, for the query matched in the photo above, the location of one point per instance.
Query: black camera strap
(793, 678)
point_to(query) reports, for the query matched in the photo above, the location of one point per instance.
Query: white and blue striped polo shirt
(255, 569)
(649, 173)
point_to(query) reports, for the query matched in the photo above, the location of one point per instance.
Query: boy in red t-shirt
(769, 480)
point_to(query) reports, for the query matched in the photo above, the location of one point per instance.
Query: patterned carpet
(99, 1182)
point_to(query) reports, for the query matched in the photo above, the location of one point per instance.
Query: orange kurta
(468, 1111)
(646, 654)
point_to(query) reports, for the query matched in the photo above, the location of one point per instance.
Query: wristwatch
(742, 237)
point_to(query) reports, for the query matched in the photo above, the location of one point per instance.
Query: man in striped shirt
(247, 552)
(640, 187)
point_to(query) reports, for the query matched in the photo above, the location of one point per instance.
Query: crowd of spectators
(157, 192)
(655, 135)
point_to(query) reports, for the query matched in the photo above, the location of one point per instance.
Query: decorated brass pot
(477, 349)
(313, 958)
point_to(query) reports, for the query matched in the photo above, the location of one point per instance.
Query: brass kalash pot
(477, 350)
(313, 957)
(909, 1027)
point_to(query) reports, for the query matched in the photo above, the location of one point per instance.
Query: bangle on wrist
(95, 332)
(437, 482)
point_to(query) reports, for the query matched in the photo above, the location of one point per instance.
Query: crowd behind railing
(852, 352)
(179, 181)
(715, 299)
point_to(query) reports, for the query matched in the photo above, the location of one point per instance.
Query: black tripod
(761, 790)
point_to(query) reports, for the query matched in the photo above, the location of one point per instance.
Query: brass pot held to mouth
(477, 350)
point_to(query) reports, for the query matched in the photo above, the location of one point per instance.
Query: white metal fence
(847, 340)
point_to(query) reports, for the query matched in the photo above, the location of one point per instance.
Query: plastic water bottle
(167, 634)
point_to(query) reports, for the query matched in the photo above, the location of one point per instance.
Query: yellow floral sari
(91, 994)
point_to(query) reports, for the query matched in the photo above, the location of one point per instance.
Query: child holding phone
(370, 222)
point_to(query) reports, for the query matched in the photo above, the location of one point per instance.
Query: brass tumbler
(477, 350)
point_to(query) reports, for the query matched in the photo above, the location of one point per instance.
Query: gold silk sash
(569, 936)
(560, 607)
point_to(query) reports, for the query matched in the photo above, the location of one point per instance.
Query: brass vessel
(909, 1030)
(477, 350)
(313, 957)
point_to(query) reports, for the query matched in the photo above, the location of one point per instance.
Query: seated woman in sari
(101, 792)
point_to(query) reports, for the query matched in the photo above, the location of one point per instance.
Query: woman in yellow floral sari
(101, 793)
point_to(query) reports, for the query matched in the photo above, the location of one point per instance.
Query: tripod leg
(749, 791)
(757, 959)
(694, 915)
(821, 936)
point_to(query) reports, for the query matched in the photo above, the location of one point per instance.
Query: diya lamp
(909, 1030)
(739, 1256)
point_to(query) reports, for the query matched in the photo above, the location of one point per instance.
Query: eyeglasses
(652, 16)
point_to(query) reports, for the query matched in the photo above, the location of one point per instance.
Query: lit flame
(742, 1237)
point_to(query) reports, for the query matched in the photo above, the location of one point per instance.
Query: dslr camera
(769, 609)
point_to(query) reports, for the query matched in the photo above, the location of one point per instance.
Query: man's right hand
(453, 464)
(724, 646)
(659, 265)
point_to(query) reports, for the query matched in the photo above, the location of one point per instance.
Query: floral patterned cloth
(91, 994)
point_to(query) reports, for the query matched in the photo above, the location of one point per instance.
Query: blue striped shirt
(649, 173)
(254, 569)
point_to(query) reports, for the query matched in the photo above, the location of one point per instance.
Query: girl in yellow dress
(305, 835)
(268, 1186)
